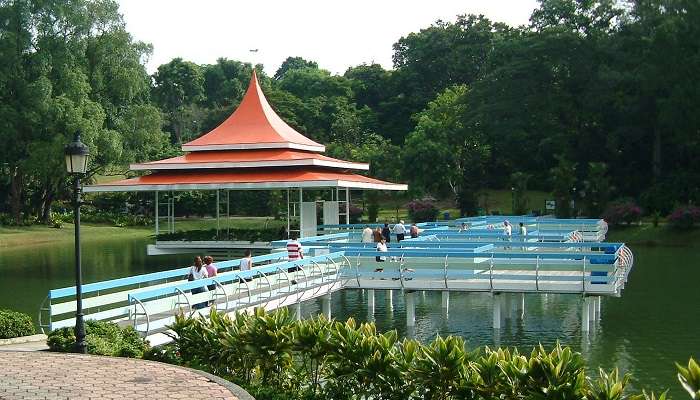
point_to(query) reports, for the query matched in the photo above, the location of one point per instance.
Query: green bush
(15, 324)
(276, 357)
(102, 338)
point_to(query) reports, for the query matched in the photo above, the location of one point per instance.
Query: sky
(335, 34)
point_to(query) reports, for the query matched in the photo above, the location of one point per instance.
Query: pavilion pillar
(289, 216)
(218, 214)
(157, 226)
(347, 205)
(301, 211)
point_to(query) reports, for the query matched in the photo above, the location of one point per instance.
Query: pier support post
(389, 297)
(496, 311)
(370, 301)
(585, 314)
(592, 311)
(326, 305)
(410, 309)
(297, 311)
(445, 299)
(522, 305)
(598, 300)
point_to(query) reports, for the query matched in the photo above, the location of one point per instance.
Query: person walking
(386, 233)
(377, 233)
(381, 247)
(400, 231)
(523, 230)
(295, 252)
(197, 272)
(246, 265)
(212, 271)
(507, 232)
(367, 235)
(414, 231)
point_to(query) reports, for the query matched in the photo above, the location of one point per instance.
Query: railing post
(496, 299)
(326, 305)
(410, 309)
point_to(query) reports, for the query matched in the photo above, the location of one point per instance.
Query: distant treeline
(602, 96)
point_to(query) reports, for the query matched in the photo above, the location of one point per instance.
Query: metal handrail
(187, 301)
(220, 286)
(269, 287)
(289, 281)
(42, 308)
(247, 286)
(306, 283)
(145, 314)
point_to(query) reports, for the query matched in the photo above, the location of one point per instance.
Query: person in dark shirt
(386, 233)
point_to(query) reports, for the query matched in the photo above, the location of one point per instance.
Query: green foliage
(690, 378)
(563, 178)
(276, 357)
(102, 338)
(597, 189)
(519, 182)
(15, 324)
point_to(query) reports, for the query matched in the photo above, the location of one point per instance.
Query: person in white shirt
(381, 247)
(400, 231)
(523, 230)
(246, 265)
(367, 235)
(507, 229)
(507, 232)
(197, 272)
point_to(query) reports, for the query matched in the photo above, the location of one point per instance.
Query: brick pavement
(44, 375)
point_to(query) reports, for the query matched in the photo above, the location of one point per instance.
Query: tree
(443, 155)
(294, 63)
(67, 67)
(563, 178)
(179, 86)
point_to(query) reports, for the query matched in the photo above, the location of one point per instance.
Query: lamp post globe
(76, 164)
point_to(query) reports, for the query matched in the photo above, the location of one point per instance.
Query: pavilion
(254, 149)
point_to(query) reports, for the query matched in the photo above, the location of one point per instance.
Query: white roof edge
(251, 186)
(249, 164)
(254, 146)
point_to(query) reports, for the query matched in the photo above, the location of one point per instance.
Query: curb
(23, 339)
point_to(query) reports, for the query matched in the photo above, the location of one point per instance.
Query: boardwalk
(43, 375)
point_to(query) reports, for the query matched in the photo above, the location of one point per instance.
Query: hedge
(276, 357)
(15, 324)
(102, 338)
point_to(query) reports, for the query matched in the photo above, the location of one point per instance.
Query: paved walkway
(44, 375)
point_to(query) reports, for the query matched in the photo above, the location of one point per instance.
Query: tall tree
(179, 87)
(444, 155)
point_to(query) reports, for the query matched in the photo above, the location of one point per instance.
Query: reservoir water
(654, 324)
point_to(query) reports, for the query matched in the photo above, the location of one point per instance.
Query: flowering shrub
(684, 217)
(626, 212)
(422, 210)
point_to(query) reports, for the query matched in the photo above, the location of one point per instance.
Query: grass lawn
(27, 236)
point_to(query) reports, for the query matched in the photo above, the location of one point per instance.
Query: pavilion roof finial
(253, 125)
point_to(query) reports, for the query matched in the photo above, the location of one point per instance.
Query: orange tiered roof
(254, 125)
(251, 149)
(276, 178)
(248, 159)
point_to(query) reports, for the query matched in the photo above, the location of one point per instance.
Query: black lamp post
(76, 163)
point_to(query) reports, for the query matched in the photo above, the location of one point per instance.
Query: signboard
(550, 204)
